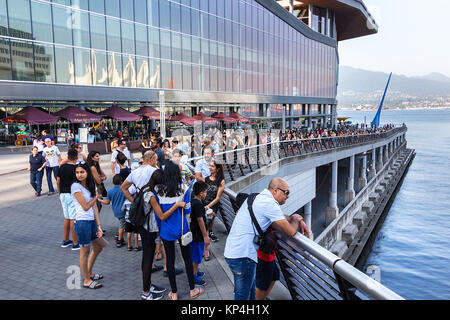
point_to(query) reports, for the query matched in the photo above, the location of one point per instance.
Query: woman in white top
(87, 224)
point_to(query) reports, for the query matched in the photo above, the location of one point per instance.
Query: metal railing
(310, 272)
(246, 160)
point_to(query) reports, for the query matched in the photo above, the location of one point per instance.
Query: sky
(413, 39)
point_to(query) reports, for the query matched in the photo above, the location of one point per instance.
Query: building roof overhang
(353, 20)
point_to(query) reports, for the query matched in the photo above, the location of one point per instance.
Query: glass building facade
(229, 46)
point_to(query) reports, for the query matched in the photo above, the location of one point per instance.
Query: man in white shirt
(202, 165)
(53, 157)
(115, 168)
(240, 250)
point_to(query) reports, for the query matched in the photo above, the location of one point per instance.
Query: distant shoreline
(394, 109)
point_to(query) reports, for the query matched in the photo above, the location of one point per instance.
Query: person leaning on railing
(240, 249)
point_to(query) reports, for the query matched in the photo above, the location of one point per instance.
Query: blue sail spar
(376, 120)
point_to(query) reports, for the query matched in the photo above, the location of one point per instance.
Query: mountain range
(361, 87)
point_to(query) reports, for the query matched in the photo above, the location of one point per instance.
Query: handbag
(187, 237)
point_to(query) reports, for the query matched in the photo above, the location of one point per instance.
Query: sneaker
(200, 274)
(118, 244)
(199, 281)
(156, 289)
(213, 237)
(65, 244)
(152, 296)
(75, 246)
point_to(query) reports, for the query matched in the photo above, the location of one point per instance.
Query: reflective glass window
(229, 80)
(114, 69)
(142, 75)
(186, 48)
(80, 26)
(196, 78)
(205, 52)
(186, 2)
(22, 62)
(141, 40)
(140, 11)
(98, 32)
(236, 81)
(127, 37)
(153, 42)
(65, 2)
(185, 20)
(213, 53)
(176, 46)
(3, 18)
(228, 57)
(166, 51)
(195, 23)
(213, 79)
(228, 32)
(166, 75)
(64, 65)
(221, 55)
(42, 21)
(204, 22)
(129, 71)
(220, 30)
(212, 6)
(99, 68)
(187, 80)
(127, 10)
(204, 5)
(164, 14)
(154, 73)
(196, 58)
(221, 8)
(113, 35)
(205, 78)
(221, 80)
(83, 70)
(112, 8)
(44, 63)
(195, 4)
(97, 6)
(175, 17)
(81, 4)
(19, 19)
(177, 81)
(153, 12)
(62, 32)
(213, 28)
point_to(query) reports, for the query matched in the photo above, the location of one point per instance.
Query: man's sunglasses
(286, 192)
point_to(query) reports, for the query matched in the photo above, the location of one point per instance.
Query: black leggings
(169, 246)
(148, 252)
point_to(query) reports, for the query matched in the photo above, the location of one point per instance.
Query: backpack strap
(250, 200)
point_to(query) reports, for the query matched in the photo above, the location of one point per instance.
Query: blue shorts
(68, 206)
(86, 231)
(197, 249)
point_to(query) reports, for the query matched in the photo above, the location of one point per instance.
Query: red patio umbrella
(76, 115)
(223, 117)
(150, 113)
(204, 118)
(239, 117)
(31, 115)
(181, 117)
(119, 114)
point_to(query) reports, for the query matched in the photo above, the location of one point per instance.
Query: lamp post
(162, 119)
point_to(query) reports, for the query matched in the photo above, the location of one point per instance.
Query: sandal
(198, 291)
(170, 295)
(93, 285)
(130, 248)
(137, 249)
(97, 276)
(207, 258)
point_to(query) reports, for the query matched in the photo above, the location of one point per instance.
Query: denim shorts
(244, 271)
(121, 223)
(197, 249)
(86, 231)
(68, 206)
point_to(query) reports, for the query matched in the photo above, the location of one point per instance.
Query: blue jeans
(244, 273)
(49, 171)
(36, 180)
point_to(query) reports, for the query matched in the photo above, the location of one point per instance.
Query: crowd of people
(175, 201)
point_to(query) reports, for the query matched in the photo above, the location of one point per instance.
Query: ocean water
(413, 246)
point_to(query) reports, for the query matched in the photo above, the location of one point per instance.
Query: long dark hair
(156, 179)
(171, 185)
(90, 185)
(219, 173)
(91, 162)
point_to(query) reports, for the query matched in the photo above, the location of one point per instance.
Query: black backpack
(137, 214)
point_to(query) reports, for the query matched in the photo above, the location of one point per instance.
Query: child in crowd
(116, 198)
(121, 161)
(198, 228)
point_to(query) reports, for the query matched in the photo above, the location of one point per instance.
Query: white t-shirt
(51, 155)
(80, 213)
(38, 144)
(140, 177)
(239, 242)
(114, 156)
